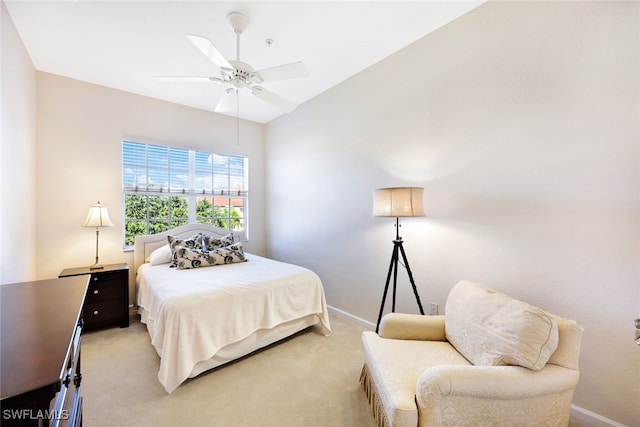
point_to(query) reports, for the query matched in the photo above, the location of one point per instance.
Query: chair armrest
(495, 395)
(412, 327)
(494, 382)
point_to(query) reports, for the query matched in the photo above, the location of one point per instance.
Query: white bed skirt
(259, 339)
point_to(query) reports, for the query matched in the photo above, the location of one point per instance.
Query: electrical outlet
(434, 309)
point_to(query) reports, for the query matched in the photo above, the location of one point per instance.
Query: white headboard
(147, 243)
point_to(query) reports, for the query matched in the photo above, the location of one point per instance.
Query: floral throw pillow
(212, 243)
(194, 242)
(194, 258)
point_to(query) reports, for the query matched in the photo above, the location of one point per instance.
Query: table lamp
(98, 217)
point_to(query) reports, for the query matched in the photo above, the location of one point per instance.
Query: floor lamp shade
(97, 217)
(398, 201)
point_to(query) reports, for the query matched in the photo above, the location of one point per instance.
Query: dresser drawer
(67, 403)
(102, 312)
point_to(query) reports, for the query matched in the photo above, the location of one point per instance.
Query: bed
(201, 318)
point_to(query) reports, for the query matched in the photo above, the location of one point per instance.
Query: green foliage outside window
(206, 213)
(165, 212)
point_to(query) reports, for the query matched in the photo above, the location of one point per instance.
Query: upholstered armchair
(490, 360)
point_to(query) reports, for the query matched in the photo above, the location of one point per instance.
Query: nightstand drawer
(111, 276)
(101, 289)
(107, 299)
(103, 312)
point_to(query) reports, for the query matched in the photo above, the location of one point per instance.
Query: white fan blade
(195, 79)
(294, 70)
(227, 101)
(209, 50)
(273, 99)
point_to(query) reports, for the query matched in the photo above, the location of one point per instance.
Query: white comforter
(192, 314)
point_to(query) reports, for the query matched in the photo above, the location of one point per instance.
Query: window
(165, 187)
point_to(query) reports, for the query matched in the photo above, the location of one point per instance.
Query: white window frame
(225, 185)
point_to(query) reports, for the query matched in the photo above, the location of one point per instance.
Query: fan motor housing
(241, 76)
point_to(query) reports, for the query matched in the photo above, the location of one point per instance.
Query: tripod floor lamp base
(398, 249)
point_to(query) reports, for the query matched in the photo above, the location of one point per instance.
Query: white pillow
(162, 255)
(491, 329)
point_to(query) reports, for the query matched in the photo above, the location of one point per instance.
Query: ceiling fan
(240, 75)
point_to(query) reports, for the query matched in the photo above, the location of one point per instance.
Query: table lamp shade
(398, 201)
(98, 217)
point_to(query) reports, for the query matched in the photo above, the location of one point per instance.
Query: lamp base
(398, 249)
(96, 267)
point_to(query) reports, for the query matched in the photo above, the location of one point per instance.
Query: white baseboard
(582, 415)
(350, 317)
(592, 419)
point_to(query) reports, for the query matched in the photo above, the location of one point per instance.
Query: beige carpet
(307, 380)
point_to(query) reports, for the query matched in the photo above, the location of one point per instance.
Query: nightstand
(107, 301)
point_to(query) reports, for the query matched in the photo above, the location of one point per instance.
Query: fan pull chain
(237, 118)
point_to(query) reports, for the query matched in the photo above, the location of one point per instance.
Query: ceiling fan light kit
(241, 75)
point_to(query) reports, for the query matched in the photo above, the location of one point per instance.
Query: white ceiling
(123, 44)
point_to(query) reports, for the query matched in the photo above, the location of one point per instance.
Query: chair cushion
(395, 366)
(491, 329)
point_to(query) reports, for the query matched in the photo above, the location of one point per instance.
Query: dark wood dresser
(40, 330)
(107, 300)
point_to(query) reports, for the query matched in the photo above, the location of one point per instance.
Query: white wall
(17, 157)
(521, 121)
(79, 156)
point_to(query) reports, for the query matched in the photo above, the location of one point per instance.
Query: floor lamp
(398, 202)
(97, 217)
